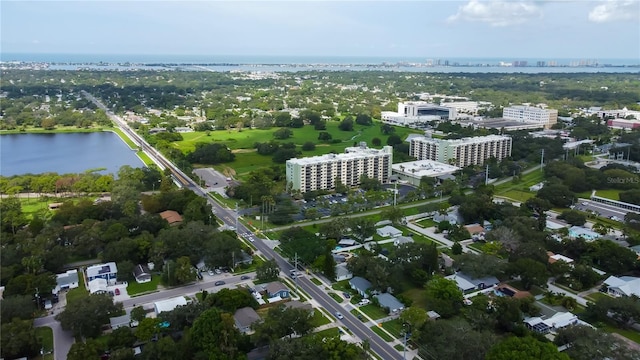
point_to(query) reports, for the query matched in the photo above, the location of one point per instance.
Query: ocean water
(284, 59)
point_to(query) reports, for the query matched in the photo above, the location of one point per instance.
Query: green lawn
(381, 333)
(629, 334)
(331, 332)
(145, 158)
(394, 327)
(426, 223)
(45, 337)
(57, 129)
(341, 286)
(417, 296)
(134, 288)
(318, 318)
(596, 296)
(336, 297)
(612, 194)
(124, 138)
(521, 185)
(373, 311)
(518, 195)
(79, 292)
(247, 160)
(316, 281)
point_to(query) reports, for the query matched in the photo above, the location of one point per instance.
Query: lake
(64, 153)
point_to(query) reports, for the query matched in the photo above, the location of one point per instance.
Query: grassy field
(417, 296)
(145, 158)
(124, 138)
(519, 190)
(596, 296)
(57, 129)
(336, 297)
(381, 333)
(328, 333)
(248, 160)
(78, 293)
(318, 319)
(612, 194)
(45, 336)
(134, 288)
(426, 223)
(394, 327)
(373, 311)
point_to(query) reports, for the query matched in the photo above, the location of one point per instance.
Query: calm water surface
(64, 153)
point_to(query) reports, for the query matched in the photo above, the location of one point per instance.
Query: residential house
(580, 232)
(66, 281)
(172, 217)
(466, 283)
(388, 231)
(342, 273)
(402, 240)
(169, 304)
(474, 229)
(433, 315)
(142, 274)
(557, 257)
(361, 285)
(390, 302)
(277, 289)
(107, 271)
(347, 242)
(243, 258)
(244, 318)
(120, 321)
(623, 286)
(98, 286)
(554, 323)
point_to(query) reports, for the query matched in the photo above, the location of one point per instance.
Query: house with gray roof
(390, 302)
(244, 318)
(107, 271)
(66, 281)
(388, 231)
(277, 288)
(142, 274)
(295, 304)
(342, 272)
(361, 285)
(120, 321)
(467, 283)
(623, 286)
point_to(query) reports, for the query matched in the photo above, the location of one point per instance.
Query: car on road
(339, 315)
(219, 282)
(245, 277)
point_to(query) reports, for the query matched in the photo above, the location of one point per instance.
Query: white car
(339, 315)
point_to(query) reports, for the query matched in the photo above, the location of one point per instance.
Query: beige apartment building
(461, 152)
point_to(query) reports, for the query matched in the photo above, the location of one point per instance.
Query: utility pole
(542, 159)
(295, 265)
(237, 217)
(486, 175)
(395, 194)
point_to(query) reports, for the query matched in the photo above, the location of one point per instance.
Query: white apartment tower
(523, 113)
(461, 152)
(320, 172)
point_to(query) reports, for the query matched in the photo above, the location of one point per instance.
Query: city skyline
(430, 29)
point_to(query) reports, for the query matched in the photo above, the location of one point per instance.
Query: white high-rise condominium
(321, 172)
(461, 152)
(524, 113)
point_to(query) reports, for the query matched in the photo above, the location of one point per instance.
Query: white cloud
(497, 12)
(614, 10)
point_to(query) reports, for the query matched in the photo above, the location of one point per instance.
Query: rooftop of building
(351, 153)
(422, 168)
(467, 140)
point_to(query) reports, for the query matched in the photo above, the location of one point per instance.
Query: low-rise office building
(322, 172)
(461, 152)
(416, 112)
(524, 113)
(413, 171)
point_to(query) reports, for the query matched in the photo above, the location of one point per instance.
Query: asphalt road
(229, 218)
(62, 340)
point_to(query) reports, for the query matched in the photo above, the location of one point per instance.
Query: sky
(515, 29)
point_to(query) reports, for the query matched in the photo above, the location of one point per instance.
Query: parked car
(339, 315)
(219, 282)
(245, 277)
(117, 291)
(346, 295)
(210, 272)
